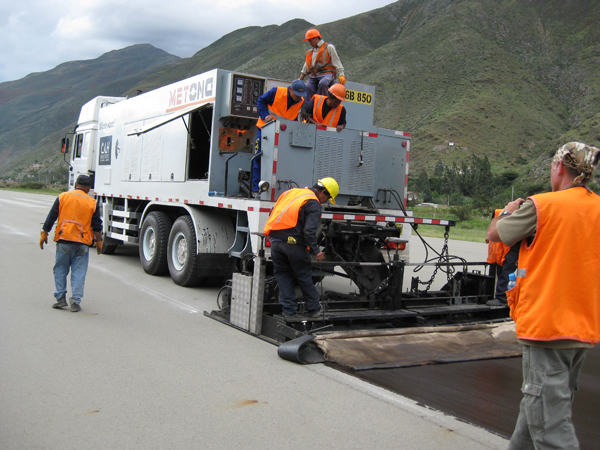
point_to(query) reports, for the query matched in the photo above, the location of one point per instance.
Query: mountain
(234, 51)
(505, 79)
(43, 103)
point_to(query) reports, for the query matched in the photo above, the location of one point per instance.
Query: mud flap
(301, 350)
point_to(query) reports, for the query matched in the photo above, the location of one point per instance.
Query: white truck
(171, 169)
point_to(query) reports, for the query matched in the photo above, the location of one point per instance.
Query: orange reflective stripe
(285, 212)
(279, 107)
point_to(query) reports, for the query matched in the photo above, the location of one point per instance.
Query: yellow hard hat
(332, 187)
(312, 33)
(338, 91)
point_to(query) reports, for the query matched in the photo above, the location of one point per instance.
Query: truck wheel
(153, 243)
(182, 255)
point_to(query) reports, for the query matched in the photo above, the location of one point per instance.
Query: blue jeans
(318, 85)
(291, 263)
(73, 257)
(509, 266)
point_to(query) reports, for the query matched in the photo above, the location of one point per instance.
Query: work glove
(43, 239)
(342, 79)
(99, 247)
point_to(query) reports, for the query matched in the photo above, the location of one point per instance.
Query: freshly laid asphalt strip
(487, 393)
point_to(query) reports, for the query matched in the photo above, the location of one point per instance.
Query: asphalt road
(141, 367)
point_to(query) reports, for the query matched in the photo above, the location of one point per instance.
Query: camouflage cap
(579, 156)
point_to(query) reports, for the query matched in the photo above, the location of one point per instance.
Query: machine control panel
(244, 96)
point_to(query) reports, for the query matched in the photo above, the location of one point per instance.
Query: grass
(473, 229)
(46, 191)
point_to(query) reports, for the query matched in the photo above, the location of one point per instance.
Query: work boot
(62, 302)
(315, 314)
(496, 302)
(75, 307)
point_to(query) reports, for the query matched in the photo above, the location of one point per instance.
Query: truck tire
(154, 238)
(182, 256)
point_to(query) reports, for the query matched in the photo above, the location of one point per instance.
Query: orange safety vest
(322, 61)
(333, 116)
(557, 295)
(285, 212)
(75, 211)
(279, 107)
(497, 250)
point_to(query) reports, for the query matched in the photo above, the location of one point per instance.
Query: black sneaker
(316, 313)
(496, 302)
(75, 307)
(62, 302)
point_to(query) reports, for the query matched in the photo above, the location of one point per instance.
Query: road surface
(141, 367)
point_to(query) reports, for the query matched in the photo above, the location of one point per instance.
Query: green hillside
(504, 80)
(48, 103)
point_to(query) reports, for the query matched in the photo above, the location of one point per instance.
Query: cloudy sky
(37, 35)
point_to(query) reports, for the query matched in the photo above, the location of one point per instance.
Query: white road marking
(23, 203)
(14, 230)
(157, 295)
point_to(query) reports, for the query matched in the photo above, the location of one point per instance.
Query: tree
(422, 186)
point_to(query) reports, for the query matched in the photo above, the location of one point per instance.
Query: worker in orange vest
(503, 261)
(292, 230)
(556, 301)
(277, 103)
(327, 110)
(322, 65)
(79, 223)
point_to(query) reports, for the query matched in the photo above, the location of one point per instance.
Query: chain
(443, 255)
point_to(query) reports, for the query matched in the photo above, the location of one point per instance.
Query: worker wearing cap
(322, 64)
(328, 110)
(292, 230)
(556, 301)
(277, 103)
(78, 224)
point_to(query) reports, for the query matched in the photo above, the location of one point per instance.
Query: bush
(32, 185)
(457, 199)
(462, 213)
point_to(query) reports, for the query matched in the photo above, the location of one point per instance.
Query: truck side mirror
(64, 145)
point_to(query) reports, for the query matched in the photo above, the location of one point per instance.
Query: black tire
(182, 256)
(154, 238)
(109, 249)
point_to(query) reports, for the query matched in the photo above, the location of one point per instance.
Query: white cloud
(72, 28)
(40, 34)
